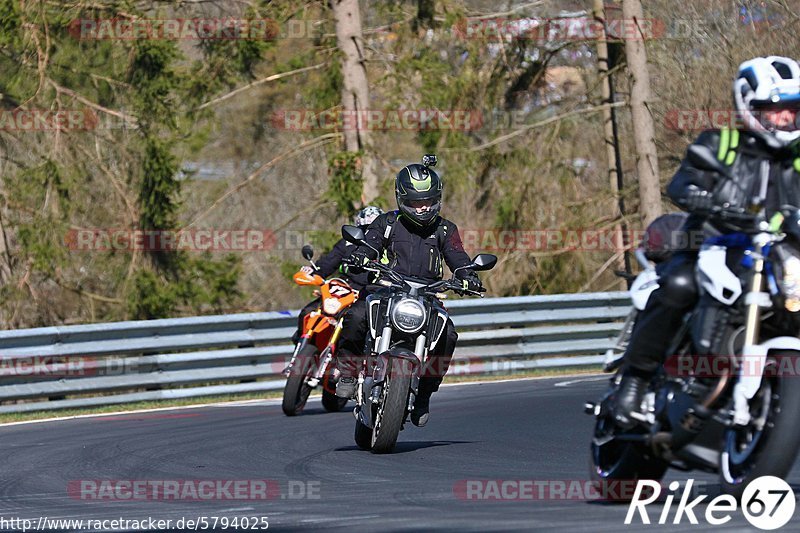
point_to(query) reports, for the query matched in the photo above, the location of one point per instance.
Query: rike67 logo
(768, 503)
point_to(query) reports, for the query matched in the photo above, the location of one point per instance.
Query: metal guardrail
(121, 362)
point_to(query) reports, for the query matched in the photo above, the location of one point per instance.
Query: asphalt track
(520, 430)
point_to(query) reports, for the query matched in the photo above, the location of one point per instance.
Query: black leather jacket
(330, 263)
(754, 156)
(415, 251)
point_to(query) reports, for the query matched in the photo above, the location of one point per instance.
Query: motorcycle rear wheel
(617, 466)
(363, 436)
(331, 402)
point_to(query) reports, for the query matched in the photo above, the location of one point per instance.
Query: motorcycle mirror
(353, 234)
(484, 262)
(308, 252)
(703, 158)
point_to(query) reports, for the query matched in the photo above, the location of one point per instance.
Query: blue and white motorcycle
(728, 400)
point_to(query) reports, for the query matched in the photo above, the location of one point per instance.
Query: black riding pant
(660, 320)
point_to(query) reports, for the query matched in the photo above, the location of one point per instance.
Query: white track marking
(595, 378)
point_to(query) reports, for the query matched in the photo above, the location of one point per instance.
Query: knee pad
(678, 287)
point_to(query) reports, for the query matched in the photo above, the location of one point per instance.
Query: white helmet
(367, 215)
(763, 83)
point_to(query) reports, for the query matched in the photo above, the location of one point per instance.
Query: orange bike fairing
(338, 288)
(314, 322)
(302, 278)
(319, 326)
(318, 329)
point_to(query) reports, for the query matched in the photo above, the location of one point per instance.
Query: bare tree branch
(524, 129)
(308, 145)
(259, 82)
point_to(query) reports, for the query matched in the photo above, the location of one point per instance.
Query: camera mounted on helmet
(429, 160)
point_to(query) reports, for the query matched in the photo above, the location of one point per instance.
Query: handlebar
(398, 281)
(734, 214)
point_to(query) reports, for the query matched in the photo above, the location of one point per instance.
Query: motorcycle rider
(332, 261)
(766, 94)
(413, 241)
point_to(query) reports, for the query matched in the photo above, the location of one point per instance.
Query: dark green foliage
(345, 181)
(149, 80)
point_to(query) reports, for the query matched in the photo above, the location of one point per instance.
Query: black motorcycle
(727, 400)
(405, 321)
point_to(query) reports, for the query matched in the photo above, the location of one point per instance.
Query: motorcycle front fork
(419, 348)
(325, 357)
(755, 300)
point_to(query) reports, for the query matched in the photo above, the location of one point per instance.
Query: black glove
(698, 200)
(471, 282)
(355, 261)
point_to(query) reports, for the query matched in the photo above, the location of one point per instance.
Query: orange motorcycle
(312, 360)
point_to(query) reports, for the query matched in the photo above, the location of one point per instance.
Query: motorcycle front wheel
(296, 391)
(768, 445)
(392, 406)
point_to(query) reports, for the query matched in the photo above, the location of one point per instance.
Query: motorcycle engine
(680, 413)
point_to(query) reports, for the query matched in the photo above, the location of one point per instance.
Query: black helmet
(418, 190)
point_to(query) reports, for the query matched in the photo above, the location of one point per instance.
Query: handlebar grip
(732, 214)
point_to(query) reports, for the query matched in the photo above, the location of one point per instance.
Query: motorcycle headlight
(331, 306)
(408, 315)
(791, 283)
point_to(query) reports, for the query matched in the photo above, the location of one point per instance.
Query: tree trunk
(610, 138)
(5, 255)
(355, 93)
(643, 131)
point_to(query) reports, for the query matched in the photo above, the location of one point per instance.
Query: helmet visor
(780, 119)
